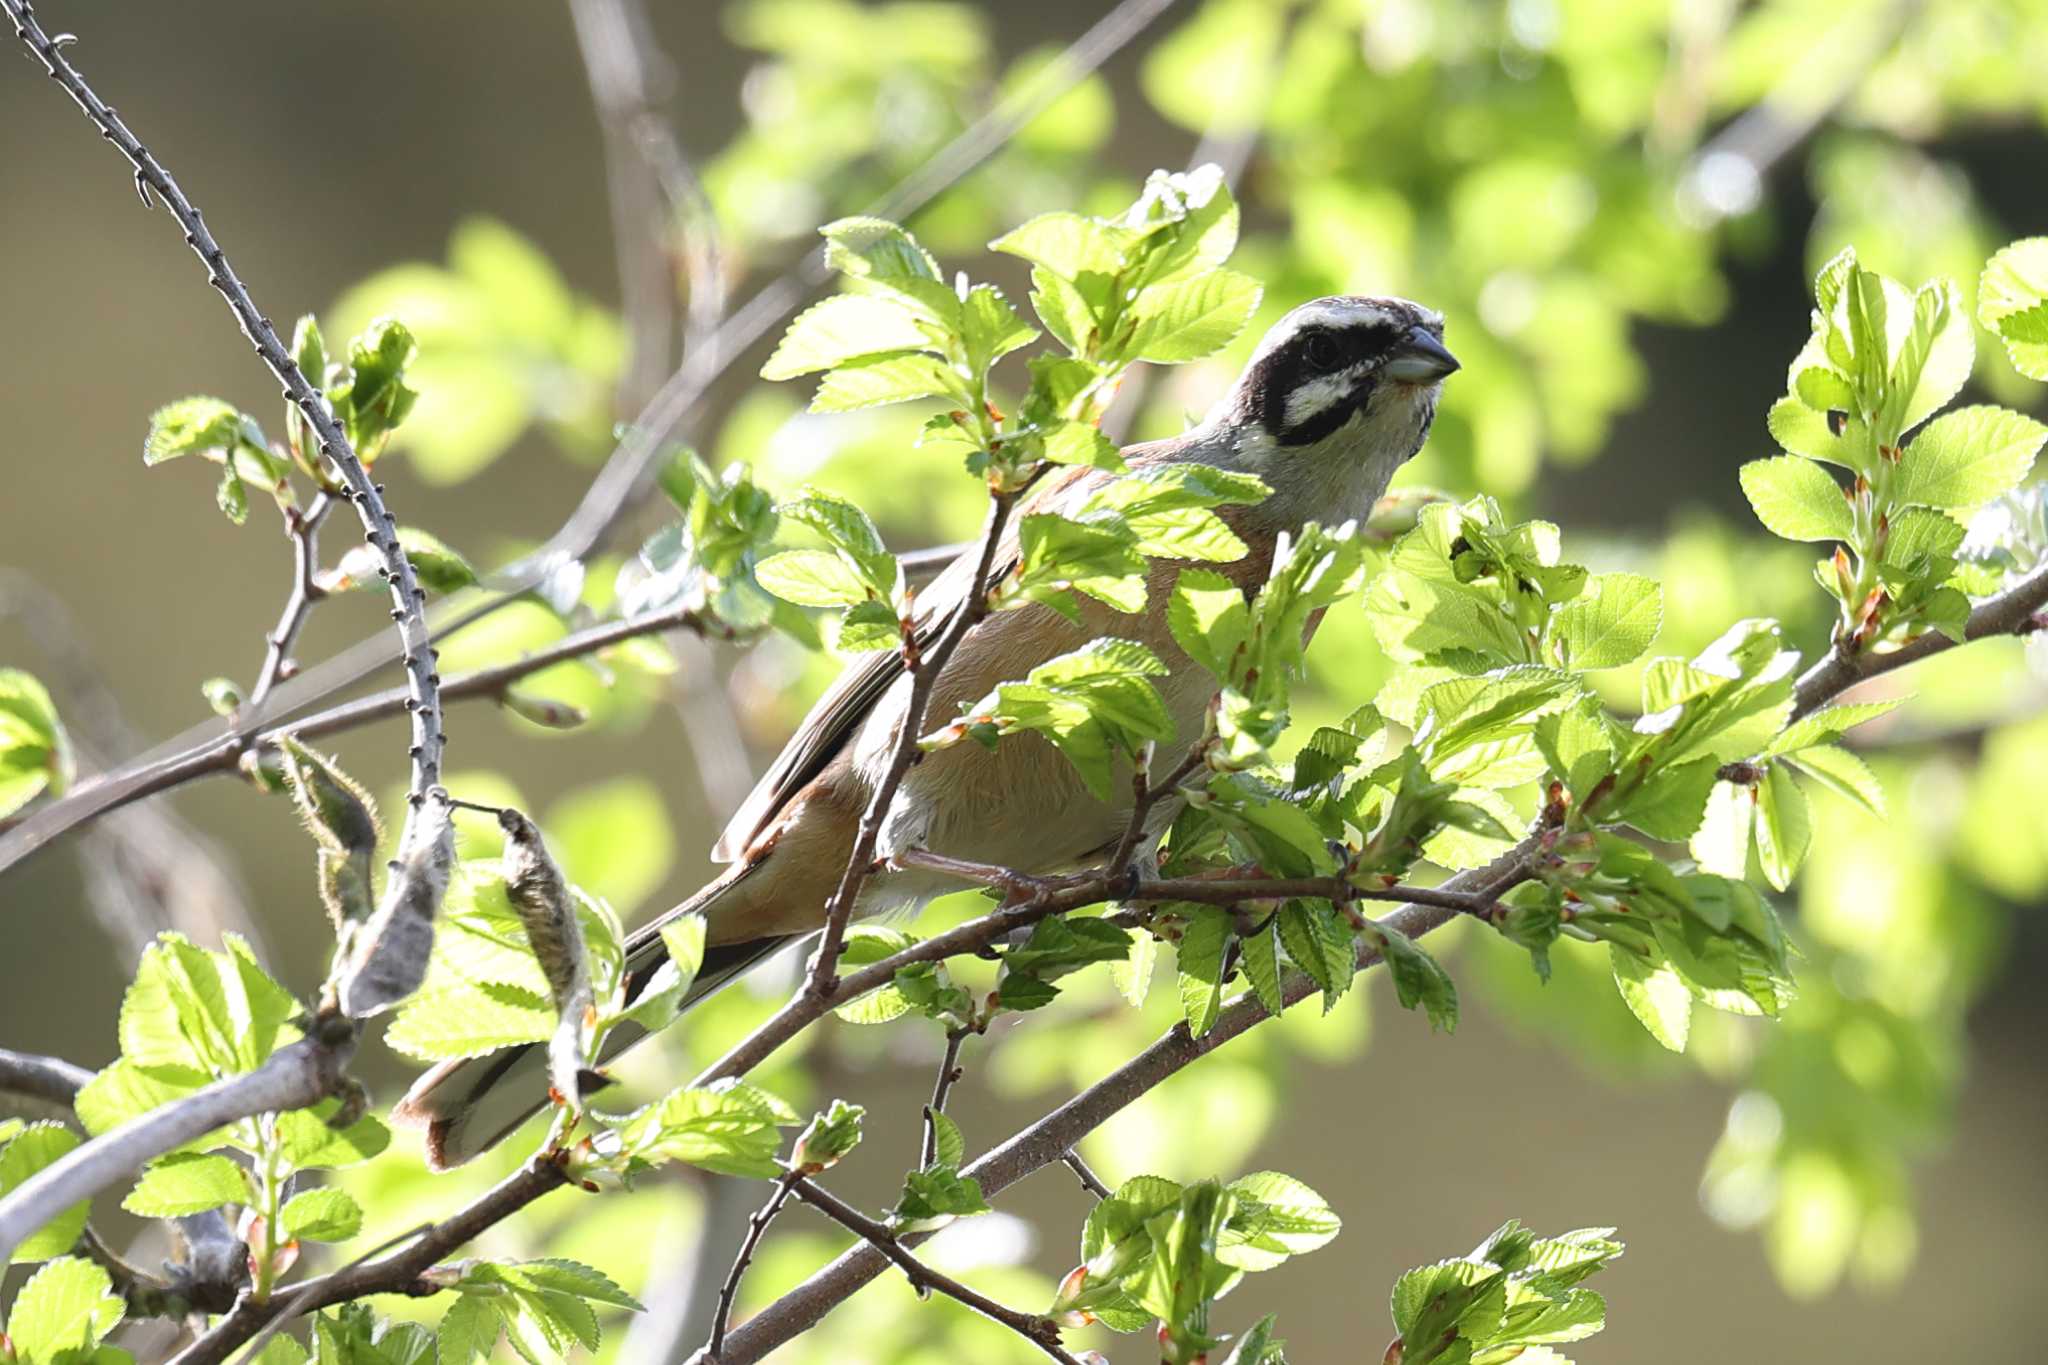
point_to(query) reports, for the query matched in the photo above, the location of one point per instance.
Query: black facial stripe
(1288, 368)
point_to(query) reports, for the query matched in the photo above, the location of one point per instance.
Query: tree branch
(51, 1080)
(379, 529)
(304, 530)
(2016, 611)
(1090, 1181)
(942, 1088)
(295, 1076)
(757, 1227)
(1040, 1331)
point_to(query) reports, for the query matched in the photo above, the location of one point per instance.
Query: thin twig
(942, 1088)
(757, 1227)
(1040, 1331)
(1090, 1181)
(925, 667)
(52, 1080)
(379, 528)
(304, 530)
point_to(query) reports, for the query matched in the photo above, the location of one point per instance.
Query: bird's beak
(1422, 361)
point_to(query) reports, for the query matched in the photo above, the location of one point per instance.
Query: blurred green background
(1616, 205)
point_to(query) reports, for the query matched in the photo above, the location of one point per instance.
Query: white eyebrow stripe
(1318, 395)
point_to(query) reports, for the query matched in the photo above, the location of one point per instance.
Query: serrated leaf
(1843, 772)
(1829, 723)
(1199, 958)
(1611, 623)
(185, 1183)
(191, 426)
(1800, 425)
(1783, 827)
(811, 578)
(844, 327)
(27, 1151)
(68, 1305)
(1067, 244)
(1418, 979)
(896, 377)
(1189, 319)
(469, 1330)
(1968, 456)
(1796, 499)
(1259, 955)
(1656, 994)
(325, 1214)
(2009, 302)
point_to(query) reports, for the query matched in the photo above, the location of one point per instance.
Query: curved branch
(379, 529)
(52, 1080)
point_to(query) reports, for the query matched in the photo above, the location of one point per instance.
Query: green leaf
(730, 1128)
(1656, 994)
(29, 1150)
(875, 249)
(434, 562)
(373, 398)
(1783, 827)
(1199, 956)
(811, 578)
(1796, 499)
(307, 1141)
(469, 1331)
(1843, 772)
(1210, 620)
(842, 328)
(934, 1197)
(185, 1183)
(1937, 356)
(68, 1305)
(325, 1214)
(223, 697)
(1611, 623)
(950, 1145)
(1671, 801)
(1828, 723)
(1190, 319)
(1418, 980)
(35, 755)
(2009, 302)
(991, 328)
(1259, 955)
(1276, 1217)
(1319, 942)
(1067, 244)
(191, 426)
(896, 377)
(1968, 456)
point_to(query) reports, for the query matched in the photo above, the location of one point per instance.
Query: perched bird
(1339, 394)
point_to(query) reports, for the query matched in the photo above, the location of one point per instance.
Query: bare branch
(50, 1080)
(757, 1226)
(1040, 1331)
(304, 530)
(942, 1088)
(1090, 1181)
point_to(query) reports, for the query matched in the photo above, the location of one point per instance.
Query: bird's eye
(1322, 353)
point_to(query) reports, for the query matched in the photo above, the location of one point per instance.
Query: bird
(1336, 397)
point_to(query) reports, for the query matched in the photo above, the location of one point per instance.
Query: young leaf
(1200, 959)
(321, 1215)
(185, 1183)
(1611, 623)
(1968, 456)
(1796, 499)
(1783, 828)
(1189, 319)
(27, 1151)
(2009, 302)
(1655, 994)
(35, 755)
(830, 1136)
(64, 1311)
(842, 328)
(190, 426)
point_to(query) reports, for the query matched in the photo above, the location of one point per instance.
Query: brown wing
(837, 714)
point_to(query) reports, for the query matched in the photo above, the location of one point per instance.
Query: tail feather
(468, 1105)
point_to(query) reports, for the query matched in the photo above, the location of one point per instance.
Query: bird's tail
(469, 1105)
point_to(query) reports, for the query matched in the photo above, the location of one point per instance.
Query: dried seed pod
(540, 894)
(386, 957)
(342, 819)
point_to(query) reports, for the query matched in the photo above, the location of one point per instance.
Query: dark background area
(325, 142)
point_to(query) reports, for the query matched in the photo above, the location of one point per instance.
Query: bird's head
(1339, 394)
